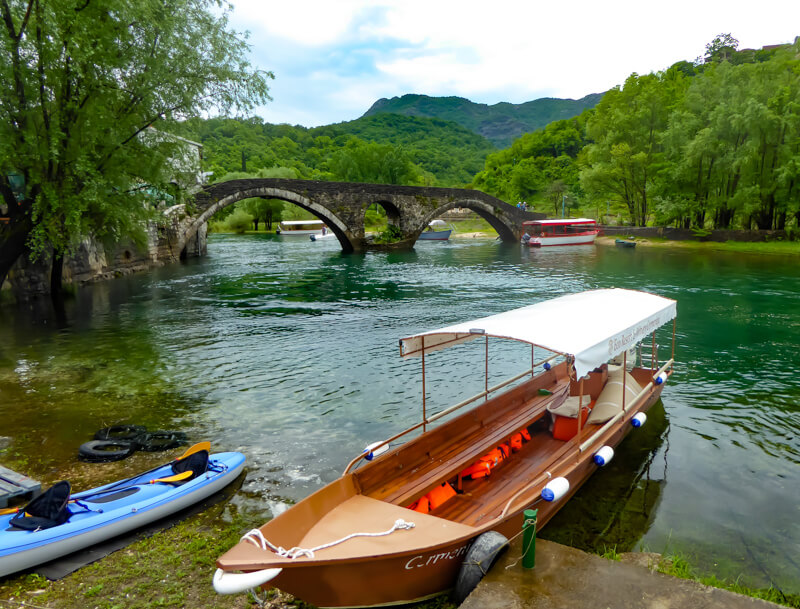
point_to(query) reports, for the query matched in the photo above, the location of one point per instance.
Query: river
(287, 351)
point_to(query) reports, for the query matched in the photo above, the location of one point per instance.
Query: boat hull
(299, 233)
(424, 572)
(586, 238)
(434, 235)
(24, 549)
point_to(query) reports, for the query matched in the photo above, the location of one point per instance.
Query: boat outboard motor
(48, 509)
(197, 463)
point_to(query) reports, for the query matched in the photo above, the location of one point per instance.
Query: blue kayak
(107, 511)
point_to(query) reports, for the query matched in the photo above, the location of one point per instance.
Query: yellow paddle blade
(175, 478)
(200, 446)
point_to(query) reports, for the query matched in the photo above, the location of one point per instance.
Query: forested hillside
(499, 123)
(710, 144)
(384, 148)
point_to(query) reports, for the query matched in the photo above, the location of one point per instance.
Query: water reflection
(617, 505)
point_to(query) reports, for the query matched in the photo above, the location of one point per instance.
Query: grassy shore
(781, 248)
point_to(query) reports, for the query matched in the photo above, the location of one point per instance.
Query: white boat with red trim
(564, 231)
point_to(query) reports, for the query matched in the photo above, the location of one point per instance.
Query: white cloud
(487, 52)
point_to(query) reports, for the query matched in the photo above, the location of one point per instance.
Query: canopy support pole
(674, 324)
(424, 416)
(580, 414)
(624, 375)
(654, 354)
(486, 381)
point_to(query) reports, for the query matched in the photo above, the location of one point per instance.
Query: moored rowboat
(407, 524)
(110, 510)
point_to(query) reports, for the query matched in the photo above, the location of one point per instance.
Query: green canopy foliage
(705, 146)
(82, 84)
(442, 153)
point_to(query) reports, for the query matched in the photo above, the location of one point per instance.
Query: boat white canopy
(300, 222)
(592, 326)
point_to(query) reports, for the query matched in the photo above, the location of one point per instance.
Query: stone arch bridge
(342, 205)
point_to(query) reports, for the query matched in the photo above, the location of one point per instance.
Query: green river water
(287, 351)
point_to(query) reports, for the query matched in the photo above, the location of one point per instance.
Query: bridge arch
(483, 209)
(335, 223)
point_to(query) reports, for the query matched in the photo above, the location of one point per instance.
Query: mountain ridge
(500, 123)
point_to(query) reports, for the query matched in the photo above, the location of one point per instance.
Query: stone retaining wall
(91, 262)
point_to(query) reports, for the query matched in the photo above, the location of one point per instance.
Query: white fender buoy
(235, 583)
(555, 489)
(638, 419)
(604, 455)
(661, 378)
(373, 452)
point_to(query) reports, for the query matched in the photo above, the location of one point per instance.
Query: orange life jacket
(421, 505)
(440, 495)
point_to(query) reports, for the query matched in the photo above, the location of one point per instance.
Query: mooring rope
(256, 537)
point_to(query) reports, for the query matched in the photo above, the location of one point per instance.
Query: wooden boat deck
(485, 498)
(415, 468)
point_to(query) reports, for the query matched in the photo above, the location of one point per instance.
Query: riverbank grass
(780, 248)
(679, 566)
(172, 568)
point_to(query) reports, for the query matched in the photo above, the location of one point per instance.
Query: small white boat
(327, 234)
(565, 231)
(438, 230)
(301, 228)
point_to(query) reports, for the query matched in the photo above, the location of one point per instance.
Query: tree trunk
(255, 223)
(12, 243)
(56, 274)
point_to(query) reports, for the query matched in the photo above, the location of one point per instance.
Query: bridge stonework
(342, 205)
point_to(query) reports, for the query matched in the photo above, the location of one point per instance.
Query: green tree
(625, 162)
(82, 81)
(371, 162)
(722, 48)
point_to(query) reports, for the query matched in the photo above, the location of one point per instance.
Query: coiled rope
(256, 537)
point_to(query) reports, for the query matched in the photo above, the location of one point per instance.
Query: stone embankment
(91, 261)
(566, 578)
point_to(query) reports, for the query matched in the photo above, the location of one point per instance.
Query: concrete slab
(566, 578)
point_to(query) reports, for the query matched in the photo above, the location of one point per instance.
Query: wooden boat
(356, 543)
(101, 513)
(437, 230)
(566, 231)
(301, 228)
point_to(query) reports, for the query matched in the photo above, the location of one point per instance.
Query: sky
(332, 59)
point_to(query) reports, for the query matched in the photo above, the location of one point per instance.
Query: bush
(238, 222)
(390, 234)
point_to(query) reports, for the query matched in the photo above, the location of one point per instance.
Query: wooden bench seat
(418, 466)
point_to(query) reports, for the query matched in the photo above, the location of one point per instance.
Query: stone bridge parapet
(342, 206)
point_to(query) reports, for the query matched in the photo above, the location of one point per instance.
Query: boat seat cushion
(48, 509)
(567, 408)
(609, 402)
(196, 462)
